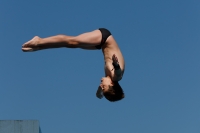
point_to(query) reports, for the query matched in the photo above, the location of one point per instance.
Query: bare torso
(109, 49)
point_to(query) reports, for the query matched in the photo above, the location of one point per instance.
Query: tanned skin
(88, 41)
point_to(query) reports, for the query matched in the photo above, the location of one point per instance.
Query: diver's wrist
(116, 66)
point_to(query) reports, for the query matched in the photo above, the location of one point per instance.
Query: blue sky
(159, 40)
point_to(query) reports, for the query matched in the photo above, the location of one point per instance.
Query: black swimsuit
(105, 34)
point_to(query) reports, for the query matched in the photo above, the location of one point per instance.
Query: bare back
(109, 49)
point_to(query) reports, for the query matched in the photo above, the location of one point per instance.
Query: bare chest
(109, 69)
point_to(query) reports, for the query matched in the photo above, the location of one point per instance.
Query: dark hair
(114, 93)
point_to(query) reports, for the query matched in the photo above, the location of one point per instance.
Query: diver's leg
(86, 40)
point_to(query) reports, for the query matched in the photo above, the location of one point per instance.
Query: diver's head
(111, 90)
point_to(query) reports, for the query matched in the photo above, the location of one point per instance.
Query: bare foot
(31, 45)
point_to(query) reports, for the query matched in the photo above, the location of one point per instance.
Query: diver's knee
(73, 41)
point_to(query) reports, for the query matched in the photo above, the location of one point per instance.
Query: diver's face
(105, 83)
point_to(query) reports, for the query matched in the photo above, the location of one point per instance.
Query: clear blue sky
(160, 41)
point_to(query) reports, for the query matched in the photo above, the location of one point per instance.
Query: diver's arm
(117, 72)
(117, 69)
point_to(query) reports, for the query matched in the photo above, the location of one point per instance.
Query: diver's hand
(99, 93)
(115, 60)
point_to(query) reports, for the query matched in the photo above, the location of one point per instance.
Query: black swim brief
(105, 34)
